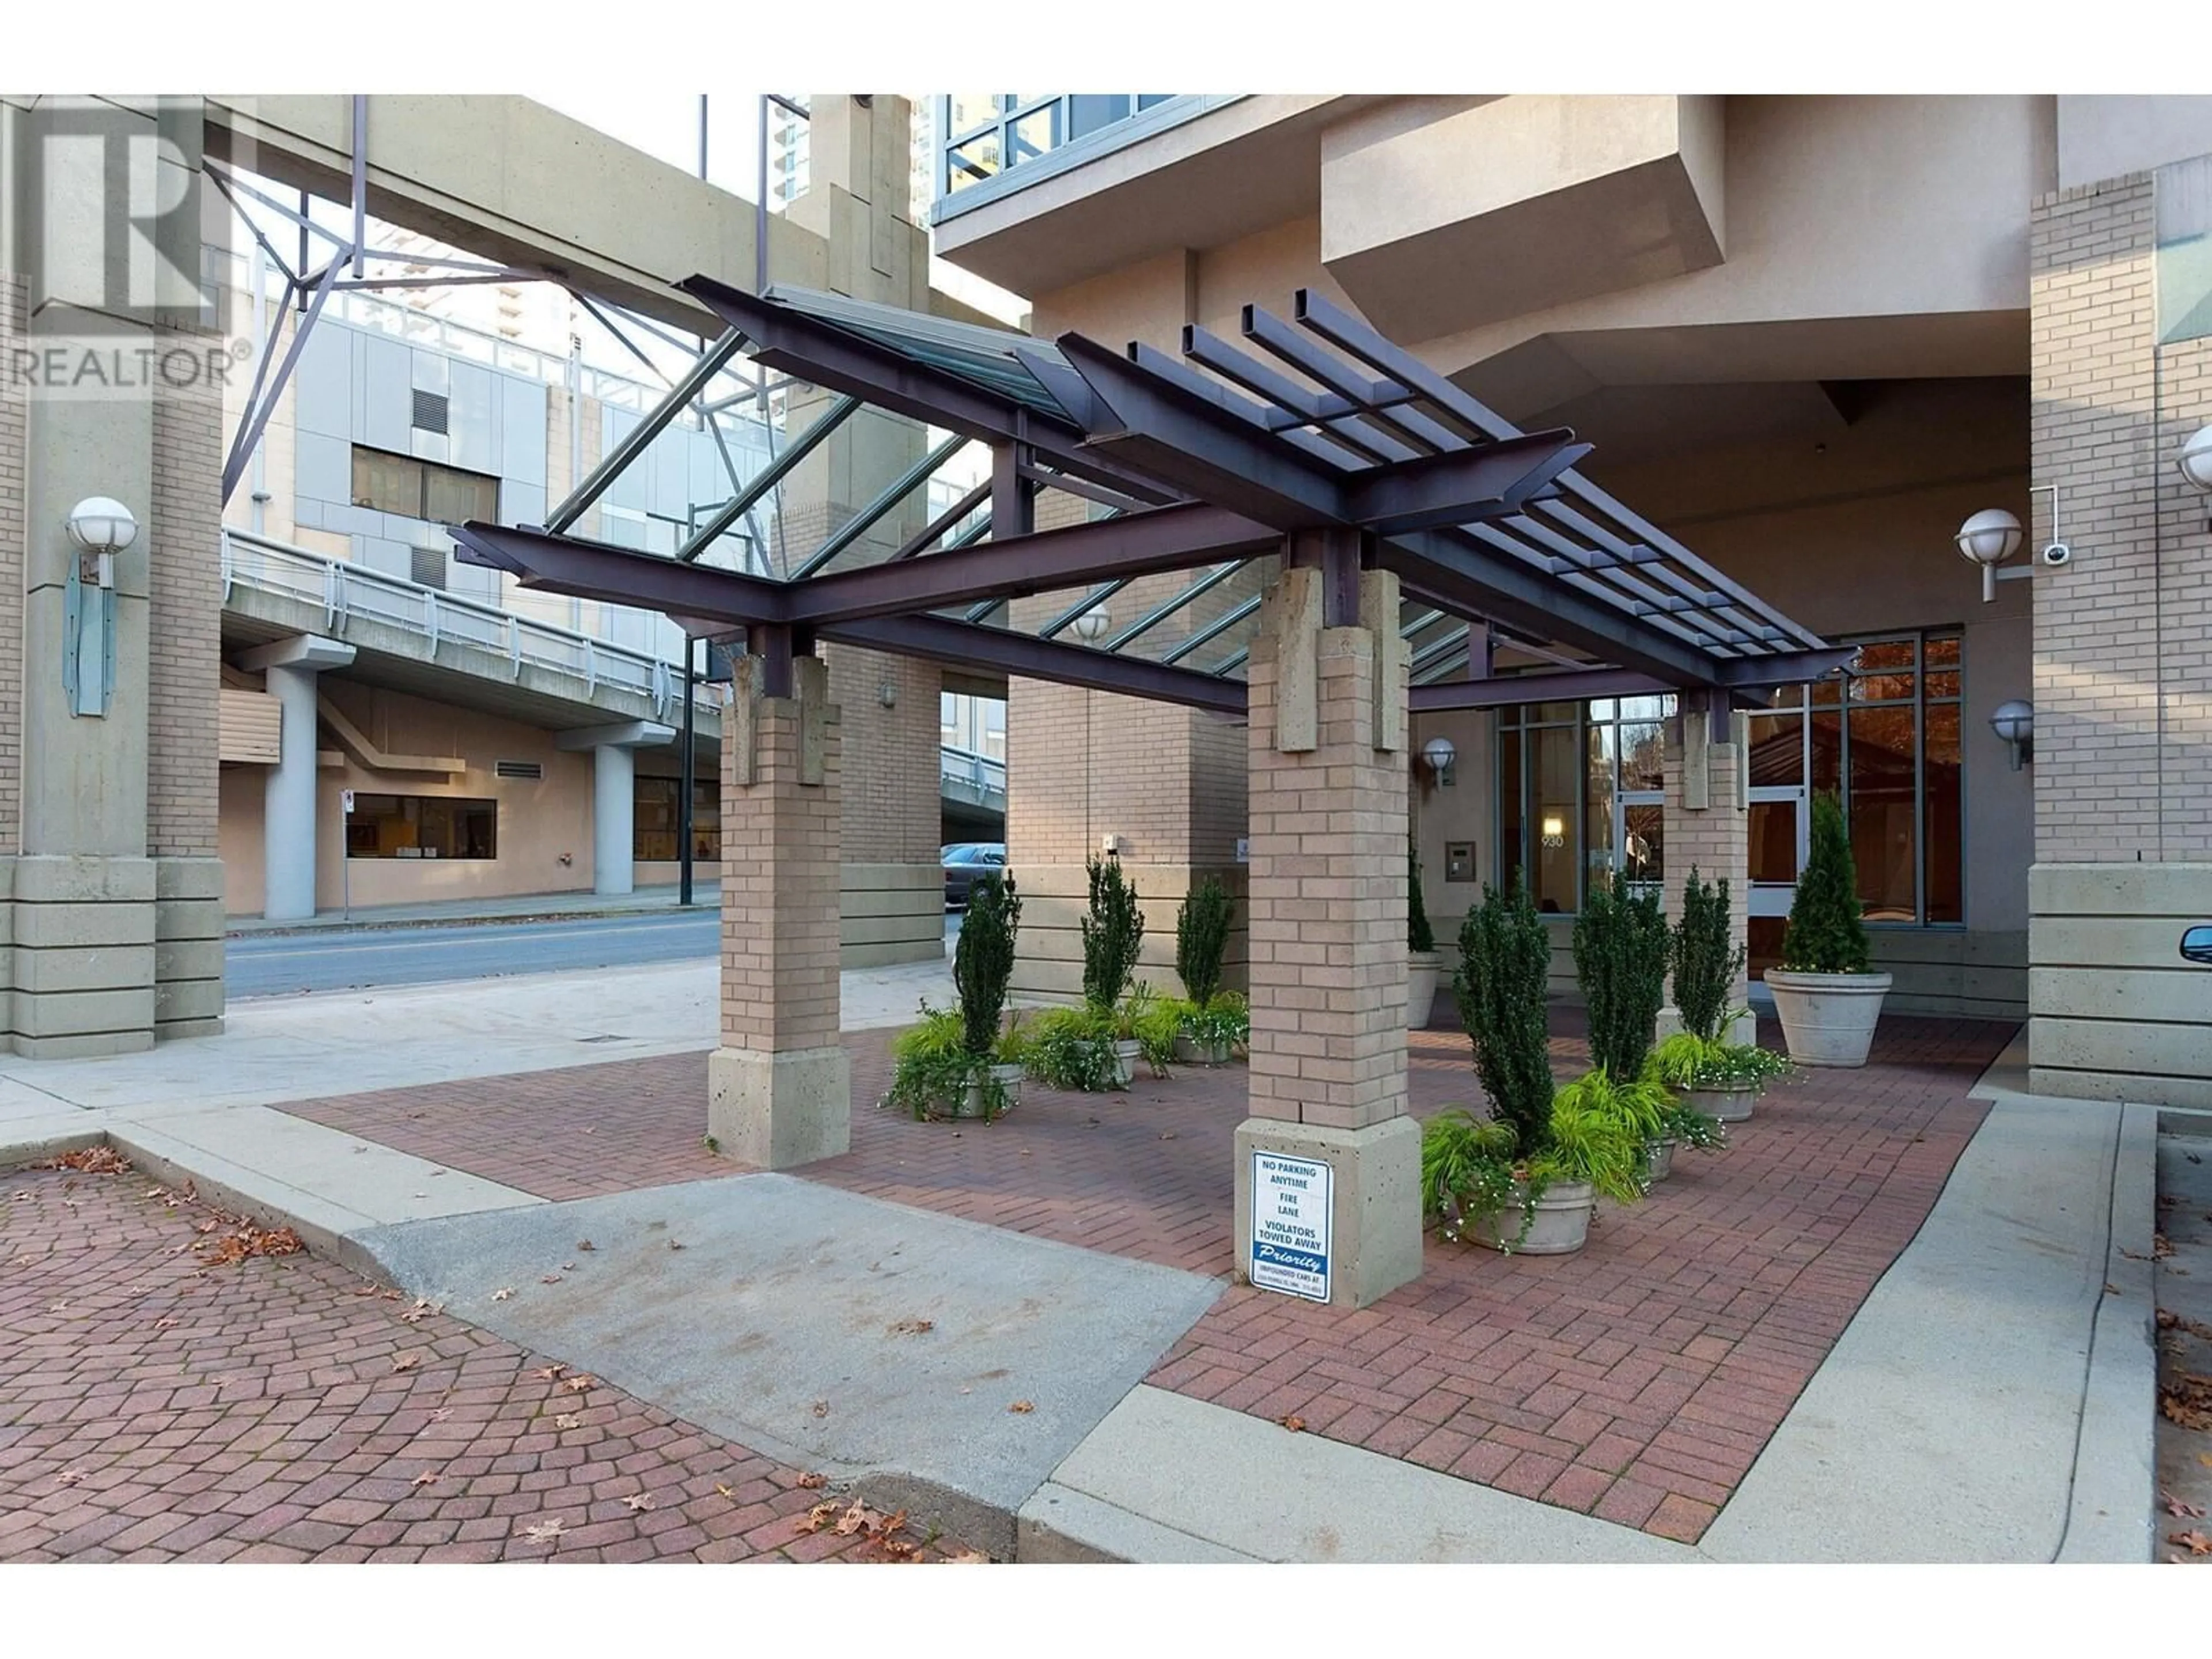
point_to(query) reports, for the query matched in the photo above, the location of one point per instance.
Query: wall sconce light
(101, 528)
(2195, 464)
(1992, 536)
(887, 694)
(1090, 627)
(1555, 830)
(2015, 722)
(1440, 753)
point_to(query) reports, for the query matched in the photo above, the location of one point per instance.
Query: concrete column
(1704, 825)
(614, 796)
(1328, 831)
(288, 815)
(780, 1087)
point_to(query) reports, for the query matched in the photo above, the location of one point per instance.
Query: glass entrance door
(1779, 832)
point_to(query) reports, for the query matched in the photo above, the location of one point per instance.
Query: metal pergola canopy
(1313, 440)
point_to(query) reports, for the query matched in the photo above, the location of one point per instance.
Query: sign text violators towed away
(1290, 1225)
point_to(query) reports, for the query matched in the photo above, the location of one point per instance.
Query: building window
(656, 832)
(984, 133)
(412, 488)
(421, 827)
(1579, 794)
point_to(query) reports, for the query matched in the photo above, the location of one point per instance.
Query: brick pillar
(779, 1089)
(1327, 778)
(2119, 378)
(1705, 826)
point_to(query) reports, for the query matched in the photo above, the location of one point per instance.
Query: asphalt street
(283, 964)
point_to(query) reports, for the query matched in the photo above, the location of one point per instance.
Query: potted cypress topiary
(982, 967)
(1207, 1025)
(1113, 932)
(1827, 999)
(1422, 962)
(1621, 962)
(1713, 1077)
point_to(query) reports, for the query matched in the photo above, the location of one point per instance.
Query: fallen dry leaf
(727, 1490)
(90, 1160)
(164, 1323)
(912, 1327)
(1022, 1406)
(1295, 1423)
(2196, 1542)
(581, 1384)
(674, 1245)
(586, 1244)
(2160, 1246)
(545, 1532)
(428, 1478)
(815, 1518)
(70, 1477)
(2110, 1288)
(853, 1520)
(821, 1408)
(549, 1373)
(638, 1501)
(567, 1267)
(563, 1420)
(441, 1413)
(551, 1279)
(405, 1362)
(964, 1557)
(2175, 1506)
(811, 1482)
(501, 1296)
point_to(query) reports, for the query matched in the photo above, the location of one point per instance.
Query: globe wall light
(100, 527)
(1440, 753)
(1988, 539)
(2195, 461)
(2015, 722)
(1090, 627)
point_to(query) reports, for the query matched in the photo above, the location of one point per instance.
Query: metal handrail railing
(986, 773)
(345, 590)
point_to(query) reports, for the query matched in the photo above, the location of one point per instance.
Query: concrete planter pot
(1659, 1159)
(1127, 1051)
(1560, 1225)
(970, 1104)
(1009, 1078)
(1191, 1052)
(1728, 1105)
(1421, 969)
(1828, 1020)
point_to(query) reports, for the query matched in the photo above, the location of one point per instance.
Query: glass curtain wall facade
(1579, 790)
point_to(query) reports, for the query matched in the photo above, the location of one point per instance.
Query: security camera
(2057, 553)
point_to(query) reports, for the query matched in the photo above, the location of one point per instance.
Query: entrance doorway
(1779, 831)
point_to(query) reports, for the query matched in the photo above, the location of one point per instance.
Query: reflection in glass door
(1778, 833)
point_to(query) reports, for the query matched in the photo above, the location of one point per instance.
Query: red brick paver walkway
(154, 1409)
(1637, 1380)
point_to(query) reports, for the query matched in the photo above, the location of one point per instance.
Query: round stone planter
(1828, 1020)
(971, 1103)
(1191, 1052)
(1009, 1078)
(1659, 1159)
(1560, 1225)
(1421, 969)
(1127, 1051)
(1728, 1105)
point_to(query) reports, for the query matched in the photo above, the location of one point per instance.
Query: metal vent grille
(518, 769)
(427, 565)
(430, 411)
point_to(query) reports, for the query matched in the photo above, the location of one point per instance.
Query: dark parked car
(964, 860)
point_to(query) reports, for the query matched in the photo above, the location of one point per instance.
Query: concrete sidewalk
(706, 894)
(1992, 1399)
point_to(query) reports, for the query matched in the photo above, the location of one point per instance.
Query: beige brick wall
(185, 636)
(14, 438)
(2121, 633)
(1327, 878)
(781, 840)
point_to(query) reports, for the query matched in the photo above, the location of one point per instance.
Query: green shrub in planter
(1505, 959)
(1113, 932)
(1419, 938)
(983, 960)
(1073, 1048)
(932, 1068)
(1827, 928)
(1621, 961)
(1202, 927)
(1468, 1170)
(1704, 956)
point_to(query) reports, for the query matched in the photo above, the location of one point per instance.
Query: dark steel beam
(1405, 427)
(1534, 688)
(1783, 667)
(1136, 544)
(1457, 485)
(620, 575)
(893, 493)
(1013, 497)
(965, 645)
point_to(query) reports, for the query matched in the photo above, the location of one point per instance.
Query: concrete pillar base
(188, 948)
(776, 1110)
(1375, 1210)
(83, 949)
